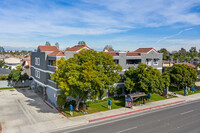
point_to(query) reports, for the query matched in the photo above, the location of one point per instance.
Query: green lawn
(181, 91)
(7, 88)
(116, 103)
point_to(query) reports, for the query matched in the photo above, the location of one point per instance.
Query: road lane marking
(187, 112)
(126, 130)
(129, 116)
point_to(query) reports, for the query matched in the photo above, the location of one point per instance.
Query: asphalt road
(184, 118)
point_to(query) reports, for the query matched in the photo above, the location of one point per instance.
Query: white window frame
(35, 60)
(155, 63)
(38, 74)
(38, 61)
(148, 62)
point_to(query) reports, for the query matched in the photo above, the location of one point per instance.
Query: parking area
(22, 111)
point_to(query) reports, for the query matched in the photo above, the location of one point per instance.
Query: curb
(48, 104)
(93, 120)
(61, 112)
(0, 128)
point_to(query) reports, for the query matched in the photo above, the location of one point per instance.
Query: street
(184, 118)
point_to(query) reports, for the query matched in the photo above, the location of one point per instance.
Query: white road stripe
(126, 130)
(187, 112)
(125, 117)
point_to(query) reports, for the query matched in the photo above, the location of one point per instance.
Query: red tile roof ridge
(144, 50)
(48, 48)
(77, 48)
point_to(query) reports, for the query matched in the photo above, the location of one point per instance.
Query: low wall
(6, 83)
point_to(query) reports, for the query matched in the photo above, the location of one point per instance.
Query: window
(116, 61)
(52, 63)
(155, 61)
(148, 62)
(37, 61)
(133, 61)
(37, 73)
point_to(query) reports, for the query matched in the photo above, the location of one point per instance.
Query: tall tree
(166, 54)
(108, 48)
(48, 43)
(144, 79)
(57, 45)
(88, 72)
(81, 43)
(182, 75)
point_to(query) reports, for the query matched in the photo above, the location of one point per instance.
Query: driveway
(23, 111)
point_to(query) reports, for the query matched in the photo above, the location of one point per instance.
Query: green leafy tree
(166, 54)
(108, 47)
(2, 64)
(144, 79)
(182, 75)
(81, 43)
(88, 72)
(15, 75)
(57, 45)
(61, 99)
(48, 43)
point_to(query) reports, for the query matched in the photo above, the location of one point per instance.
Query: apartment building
(147, 56)
(43, 63)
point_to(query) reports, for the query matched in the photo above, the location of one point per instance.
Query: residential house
(26, 66)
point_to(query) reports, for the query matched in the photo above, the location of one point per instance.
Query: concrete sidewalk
(85, 119)
(42, 118)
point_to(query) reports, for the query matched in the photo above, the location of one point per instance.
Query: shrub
(61, 100)
(3, 77)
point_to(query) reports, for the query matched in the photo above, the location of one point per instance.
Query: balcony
(52, 68)
(52, 83)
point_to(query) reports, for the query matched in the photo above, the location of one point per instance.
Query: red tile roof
(191, 65)
(77, 48)
(132, 54)
(48, 48)
(57, 53)
(28, 61)
(113, 53)
(144, 50)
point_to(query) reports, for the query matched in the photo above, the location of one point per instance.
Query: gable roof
(113, 53)
(57, 53)
(144, 50)
(48, 48)
(77, 48)
(28, 60)
(132, 54)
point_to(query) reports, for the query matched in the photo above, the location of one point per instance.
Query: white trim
(44, 84)
(153, 50)
(51, 81)
(159, 68)
(82, 48)
(46, 71)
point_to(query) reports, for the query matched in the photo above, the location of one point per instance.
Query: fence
(6, 83)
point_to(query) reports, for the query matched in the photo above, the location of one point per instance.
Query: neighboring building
(12, 62)
(43, 63)
(147, 56)
(26, 66)
(4, 71)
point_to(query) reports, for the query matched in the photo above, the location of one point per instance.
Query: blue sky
(124, 24)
